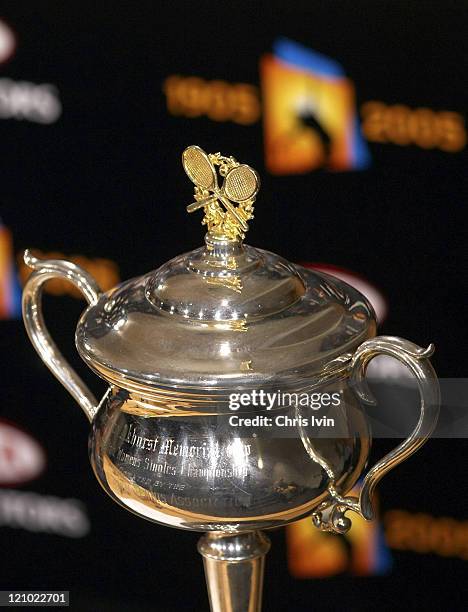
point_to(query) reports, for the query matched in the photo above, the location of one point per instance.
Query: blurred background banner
(354, 114)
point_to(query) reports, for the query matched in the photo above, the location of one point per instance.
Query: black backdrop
(105, 180)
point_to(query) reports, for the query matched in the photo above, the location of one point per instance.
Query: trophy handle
(37, 331)
(330, 516)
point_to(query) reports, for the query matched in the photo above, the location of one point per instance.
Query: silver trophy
(228, 321)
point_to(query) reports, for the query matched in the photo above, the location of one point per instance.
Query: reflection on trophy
(175, 344)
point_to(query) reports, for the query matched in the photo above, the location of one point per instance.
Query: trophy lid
(226, 314)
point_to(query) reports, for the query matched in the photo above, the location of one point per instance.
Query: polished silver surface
(223, 315)
(234, 568)
(174, 343)
(190, 469)
(330, 515)
(37, 330)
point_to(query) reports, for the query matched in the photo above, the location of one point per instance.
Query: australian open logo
(310, 117)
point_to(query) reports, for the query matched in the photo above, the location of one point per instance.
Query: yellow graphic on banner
(310, 116)
(309, 113)
(426, 534)
(306, 119)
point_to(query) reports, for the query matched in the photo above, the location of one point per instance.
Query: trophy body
(175, 439)
(192, 472)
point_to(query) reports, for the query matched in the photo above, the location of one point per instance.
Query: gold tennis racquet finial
(240, 186)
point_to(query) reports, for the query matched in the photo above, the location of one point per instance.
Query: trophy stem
(234, 566)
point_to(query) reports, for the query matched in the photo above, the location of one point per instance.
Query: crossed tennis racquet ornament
(240, 186)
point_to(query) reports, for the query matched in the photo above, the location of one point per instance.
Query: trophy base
(234, 567)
